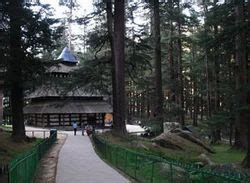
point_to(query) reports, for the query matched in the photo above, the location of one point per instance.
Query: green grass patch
(132, 156)
(226, 154)
(144, 145)
(10, 149)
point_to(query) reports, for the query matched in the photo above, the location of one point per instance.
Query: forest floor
(10, 149)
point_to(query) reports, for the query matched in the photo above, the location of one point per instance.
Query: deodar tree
(158, 96)
(119, 60)
(29, 36)
(15, 69)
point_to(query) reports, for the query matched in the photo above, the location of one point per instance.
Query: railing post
(9, 177)
(171, 172)
(135, 164)
(116, 156)
(152, 172)
(126, 155)
(105, 149)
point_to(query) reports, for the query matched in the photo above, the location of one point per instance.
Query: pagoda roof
(62, 68)
(56, 91)
(67, 56)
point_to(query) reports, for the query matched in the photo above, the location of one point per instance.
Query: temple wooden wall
(54, 120)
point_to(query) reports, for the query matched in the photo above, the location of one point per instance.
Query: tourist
(88, 130)
(75, 127)
(83, 128)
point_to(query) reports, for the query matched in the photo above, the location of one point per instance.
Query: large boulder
(191, 137)
(179, 139)
(169, 140)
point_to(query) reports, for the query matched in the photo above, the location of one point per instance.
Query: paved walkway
(78, 163)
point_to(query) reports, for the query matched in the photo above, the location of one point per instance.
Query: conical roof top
(67, 56)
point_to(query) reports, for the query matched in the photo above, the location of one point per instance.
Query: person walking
(75, 127)
(83, 128)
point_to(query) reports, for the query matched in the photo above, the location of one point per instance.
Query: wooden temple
(49, 106)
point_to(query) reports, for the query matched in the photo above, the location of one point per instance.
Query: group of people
(88, 128)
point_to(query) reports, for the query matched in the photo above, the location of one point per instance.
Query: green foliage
(38, 38)
(94, 76)
(219, 120)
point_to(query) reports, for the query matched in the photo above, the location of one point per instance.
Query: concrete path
(78, 163)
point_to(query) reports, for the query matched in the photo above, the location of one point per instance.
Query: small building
(50, 106)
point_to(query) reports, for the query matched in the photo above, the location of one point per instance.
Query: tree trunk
(195, 93)
(111, 42)
(241, 78)
(195, 105)
(171, 59)
(129, 106)
(1, 99)
(157, 64)
(201, 108)
(216, 75)
(15, 71)
(231, 133)
(119, 58)
(133, 104)
(180, 75)
(242, 95)
(207, 70)
(216, 81)
(143, 105)
(148, 103)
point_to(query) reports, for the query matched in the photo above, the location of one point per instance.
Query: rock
(178, 139)
(168, 144)
(189, 136)
(168, 140)
(139, 144)
(166, 168)
(205, 159)
(170, 125)
(155, 145)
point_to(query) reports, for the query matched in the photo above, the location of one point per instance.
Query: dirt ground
(48, 165)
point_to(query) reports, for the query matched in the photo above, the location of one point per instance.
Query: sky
(59, 10)
(85, 7)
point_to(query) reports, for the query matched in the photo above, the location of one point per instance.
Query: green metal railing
(154, 169)
(23, 168)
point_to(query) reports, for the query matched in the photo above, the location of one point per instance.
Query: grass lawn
(10, 149)
(225, 154)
